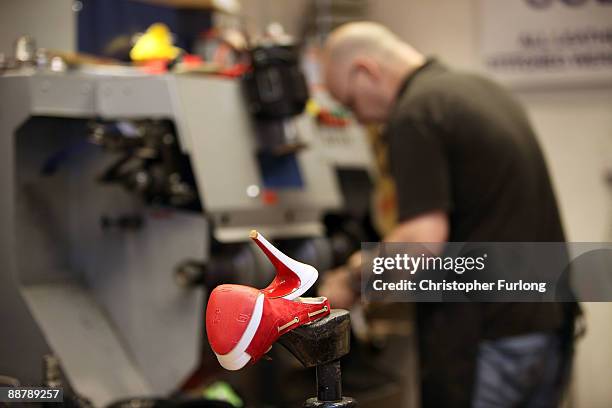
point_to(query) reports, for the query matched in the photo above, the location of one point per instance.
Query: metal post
(329, 381)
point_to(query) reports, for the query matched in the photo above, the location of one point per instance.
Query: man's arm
(431, 226)
(337, 285)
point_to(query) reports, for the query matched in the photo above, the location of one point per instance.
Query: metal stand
(321, 345)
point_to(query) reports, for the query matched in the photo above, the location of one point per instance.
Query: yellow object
(312, 107)
(155, 43)
(384, 198)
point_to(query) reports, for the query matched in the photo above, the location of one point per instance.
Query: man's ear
(368, 65)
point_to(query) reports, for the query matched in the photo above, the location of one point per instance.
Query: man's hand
(337, 286)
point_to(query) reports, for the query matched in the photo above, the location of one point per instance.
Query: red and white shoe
(242, 322)
(292, 278)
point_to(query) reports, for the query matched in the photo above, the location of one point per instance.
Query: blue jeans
(521, 371)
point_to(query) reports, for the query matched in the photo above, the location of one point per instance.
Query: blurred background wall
(574, 126)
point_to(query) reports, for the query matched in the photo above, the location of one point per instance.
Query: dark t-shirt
(460, 143)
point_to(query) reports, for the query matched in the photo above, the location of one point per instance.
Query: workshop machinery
(127, 196)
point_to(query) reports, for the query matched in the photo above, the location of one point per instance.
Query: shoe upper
(242, 322)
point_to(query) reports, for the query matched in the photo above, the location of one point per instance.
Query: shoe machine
(127, 197)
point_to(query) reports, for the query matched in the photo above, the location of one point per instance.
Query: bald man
(467, 167)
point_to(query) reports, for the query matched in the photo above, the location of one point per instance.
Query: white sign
(549, 42)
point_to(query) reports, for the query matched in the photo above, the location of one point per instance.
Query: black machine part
(275, 88)
(150, 162)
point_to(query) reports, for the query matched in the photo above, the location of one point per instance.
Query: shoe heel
(292, 278)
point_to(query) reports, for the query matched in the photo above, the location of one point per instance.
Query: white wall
(50, 22)
(260, 13)
(575, 129)
(576, 132)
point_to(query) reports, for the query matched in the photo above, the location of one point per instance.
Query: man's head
(364, 65)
